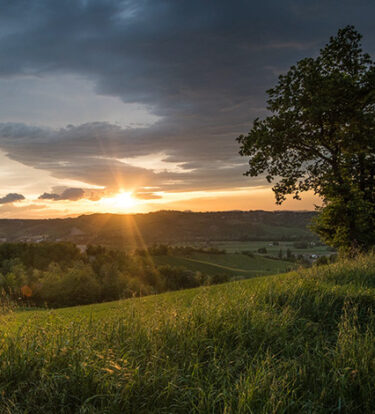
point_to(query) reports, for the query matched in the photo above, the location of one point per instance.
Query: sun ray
(138, 240)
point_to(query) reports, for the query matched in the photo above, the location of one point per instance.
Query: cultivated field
(231, 264)
(300, 342)
(272, 249)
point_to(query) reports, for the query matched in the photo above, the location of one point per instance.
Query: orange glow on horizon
(128, 202)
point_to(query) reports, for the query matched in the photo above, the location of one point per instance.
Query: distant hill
(163, 227)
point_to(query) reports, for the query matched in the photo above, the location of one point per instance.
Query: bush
(77, 286)
(176, 278)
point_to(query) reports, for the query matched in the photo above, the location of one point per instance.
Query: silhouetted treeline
(59, 274)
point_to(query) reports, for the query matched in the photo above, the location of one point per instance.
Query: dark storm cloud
(52, 151)
(11, 198)
(201, 66)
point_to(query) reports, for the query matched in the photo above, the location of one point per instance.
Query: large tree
(320, 136)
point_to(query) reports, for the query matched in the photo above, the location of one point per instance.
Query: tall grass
(297, 343)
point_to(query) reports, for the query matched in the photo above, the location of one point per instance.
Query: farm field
(232, 264)
(297, 342)
(253, 246)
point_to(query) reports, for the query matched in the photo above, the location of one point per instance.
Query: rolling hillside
(298, 342)
(135, 230)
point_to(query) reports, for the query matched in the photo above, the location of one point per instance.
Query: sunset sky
(134, 106)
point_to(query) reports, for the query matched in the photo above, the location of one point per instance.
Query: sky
(134, 106)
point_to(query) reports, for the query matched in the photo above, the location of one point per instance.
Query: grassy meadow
(302, 342)
(231, 264)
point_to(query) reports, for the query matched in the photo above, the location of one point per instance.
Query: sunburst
(122, 200)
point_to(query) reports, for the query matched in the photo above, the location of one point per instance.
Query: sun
(121, 201)
(124, 199)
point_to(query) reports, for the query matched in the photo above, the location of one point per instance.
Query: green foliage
(164, 250)
(303, 342)
(324, 260)
(39, 275)
(178, 278)
(77, 285)
(347, 225)
(320, 137)
(39, 255)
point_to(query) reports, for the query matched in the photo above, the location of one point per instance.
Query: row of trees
(165, 250)
(58, 274)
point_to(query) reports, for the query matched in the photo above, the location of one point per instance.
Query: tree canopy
(320, 137)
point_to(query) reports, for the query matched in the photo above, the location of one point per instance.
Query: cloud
(72, 194)
(48, 196)
(17, 211)
(92, 153)
(11, 198)
(200, 67)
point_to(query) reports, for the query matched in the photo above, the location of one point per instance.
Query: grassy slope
(231, 264)
(302, 342)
